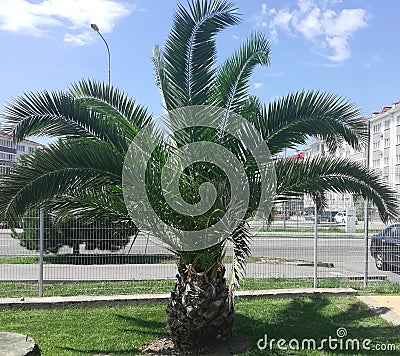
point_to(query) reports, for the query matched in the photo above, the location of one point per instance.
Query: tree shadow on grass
(314, 318)
(148, 327)
(106, 259)
(135, 328)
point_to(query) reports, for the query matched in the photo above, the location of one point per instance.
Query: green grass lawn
(12, 289)
(89, 259)
(124, 330)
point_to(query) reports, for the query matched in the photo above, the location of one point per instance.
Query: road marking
(336, 273)
(266, 238)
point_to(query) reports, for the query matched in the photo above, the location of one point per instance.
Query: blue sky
(347, 47)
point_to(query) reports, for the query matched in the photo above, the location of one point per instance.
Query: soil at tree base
(236, 344)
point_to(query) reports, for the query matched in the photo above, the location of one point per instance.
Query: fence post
(366, 215)
(366, 243)
(41, 248)
(315, 246)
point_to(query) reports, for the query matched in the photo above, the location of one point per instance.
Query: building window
(386, 161)
(377, 128)
(398, 120)
(6, 143)
(315, 149)
(376, 145)
(398, 139)
(387, 142)
(7, 157)
(4, 169)
(31, 150)
(397, 159)
(387, 124)
(376, 163)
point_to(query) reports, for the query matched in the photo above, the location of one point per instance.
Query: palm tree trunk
(200, 310)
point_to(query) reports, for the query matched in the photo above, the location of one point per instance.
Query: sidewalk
(138, 299)
(388, 307)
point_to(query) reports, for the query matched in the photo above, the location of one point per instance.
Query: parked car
(340, 218)
(327, 216)
(309, 215)
(280, 215)
(385, 248)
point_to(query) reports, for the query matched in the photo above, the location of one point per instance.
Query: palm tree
(80, 175)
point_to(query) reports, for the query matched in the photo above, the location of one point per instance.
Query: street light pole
(96, 29)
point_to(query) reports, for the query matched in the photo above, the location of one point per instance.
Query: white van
(340, 217)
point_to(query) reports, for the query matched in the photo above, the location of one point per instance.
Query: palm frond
(190, 51)
(232, 81)
(318, 175)
(114, 105)
(240, 240)
(291, 120)
(65, 166)
(48, 113)
(160, 76)
(91, 109)
(91, 204)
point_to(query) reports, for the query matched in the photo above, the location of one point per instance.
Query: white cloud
(281, 20)
(80, 39)
(73, 16)
(263, 9)
(258, 85)
(318, 23)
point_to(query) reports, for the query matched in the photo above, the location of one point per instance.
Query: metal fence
(297, 249)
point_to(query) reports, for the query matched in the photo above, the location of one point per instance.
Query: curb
(296, 292)
(381, 310)
(140, 299)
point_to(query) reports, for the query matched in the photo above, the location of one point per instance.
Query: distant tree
(104, 235)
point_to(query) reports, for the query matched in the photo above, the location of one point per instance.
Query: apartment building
(384, 153)
(335, 201)
(11, 152)
(385, 144)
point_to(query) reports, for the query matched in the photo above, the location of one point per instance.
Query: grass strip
(13, 289)
(122, 331)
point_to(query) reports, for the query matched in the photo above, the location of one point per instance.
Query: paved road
(283, 256)
(11, 246)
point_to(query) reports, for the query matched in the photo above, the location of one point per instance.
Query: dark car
(309, 215)
(327, 216)
(385, 248)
